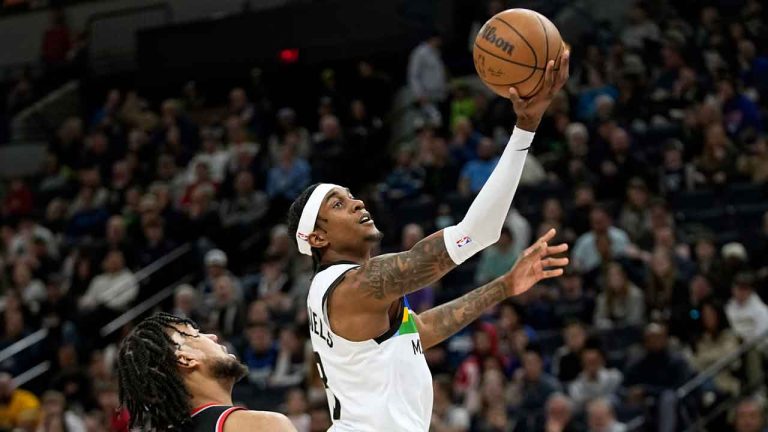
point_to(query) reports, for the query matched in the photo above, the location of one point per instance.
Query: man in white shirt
(746, 312)
(114, 289)
(586, 257)
(595, 380)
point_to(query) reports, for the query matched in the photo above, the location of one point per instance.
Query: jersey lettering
(316, 327)
(416, 346)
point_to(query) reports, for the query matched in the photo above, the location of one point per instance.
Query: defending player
(368, 343)
(174, 378)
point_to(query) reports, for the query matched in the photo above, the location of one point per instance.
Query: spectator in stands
(215, 262)
(621, 303)
(619, 167)
(15, 403)
(291, 365)
(203, 214)
(586, 256)
(111, 292)
(406, 180)
(212, 155)
(497, 259)
(531, 386)
(571, 303)
(56, 416)
(31, 290)
(289, 176)
(675, 174)
(476, 172)
(749, 416)
(288, 129)
(746, 312)
(566, 363)
(657, 373)
(754, 164)
(155, 245)
(328, 149)
(740, 114)
(635, 215)
(716, 163)
(601, 417)
(665, 290)
(559, 415)
(260, 354)
(186, 303)
(595, 380)
(18, 200)
(116, 237)
(57, 41)
(296, 409)
(242, 211)
(441, 171)
(447, 416)
(226, 311)
(714, 340)
(553, 216)
(426, 72)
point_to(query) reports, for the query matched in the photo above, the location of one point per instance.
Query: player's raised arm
(536, 263)
(385, 278)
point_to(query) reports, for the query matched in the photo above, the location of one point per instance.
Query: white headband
(309, 216)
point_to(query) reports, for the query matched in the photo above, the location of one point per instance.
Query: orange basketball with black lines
(512, 50)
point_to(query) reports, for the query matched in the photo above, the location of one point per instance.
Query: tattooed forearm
(389, 277)
(440, 322)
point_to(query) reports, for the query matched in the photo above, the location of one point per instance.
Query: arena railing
(142, 307)
(23, 344)
(696, 383)
(141, 275)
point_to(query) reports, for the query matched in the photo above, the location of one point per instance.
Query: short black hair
(294, 216)
(151, 386)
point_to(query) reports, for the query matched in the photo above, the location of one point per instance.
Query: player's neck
(356, 257)
(210, 393)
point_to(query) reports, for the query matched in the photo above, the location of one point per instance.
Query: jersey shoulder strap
(325, 281)
(210, 417)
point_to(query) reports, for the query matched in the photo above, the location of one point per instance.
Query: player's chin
(371, 233)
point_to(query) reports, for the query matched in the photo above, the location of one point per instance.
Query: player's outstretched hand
(530, 110)
(536, 263)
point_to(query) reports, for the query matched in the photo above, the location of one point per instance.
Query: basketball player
(172, 377)
(368, 343)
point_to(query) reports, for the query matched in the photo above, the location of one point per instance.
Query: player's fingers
(558, 249)
(515, 97)
(549, 235)
(549, 75)
(552, 273)
(533, 250)
(565, 64)
(555, 262)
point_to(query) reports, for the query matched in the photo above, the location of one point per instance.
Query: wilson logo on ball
(489, 34)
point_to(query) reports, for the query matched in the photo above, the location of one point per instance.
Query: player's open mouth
(366, 219)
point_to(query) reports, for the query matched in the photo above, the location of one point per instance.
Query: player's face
(197, 347)
(344, 223)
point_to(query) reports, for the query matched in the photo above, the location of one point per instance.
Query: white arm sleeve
(481, 226)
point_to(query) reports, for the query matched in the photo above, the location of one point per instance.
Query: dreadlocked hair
(151, 387)
(294, 216)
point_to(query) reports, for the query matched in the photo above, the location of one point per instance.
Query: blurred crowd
(652, 165)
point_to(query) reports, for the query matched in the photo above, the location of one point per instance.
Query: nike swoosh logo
(524, 149)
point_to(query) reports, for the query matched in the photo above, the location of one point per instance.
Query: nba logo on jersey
(463, 241)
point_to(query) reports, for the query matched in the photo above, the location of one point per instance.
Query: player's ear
(187, 359)
(317, 239)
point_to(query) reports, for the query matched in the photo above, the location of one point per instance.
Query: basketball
(513, 48)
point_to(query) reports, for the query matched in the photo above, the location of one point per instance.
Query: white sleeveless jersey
(381, 385)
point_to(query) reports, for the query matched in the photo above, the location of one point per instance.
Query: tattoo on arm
(445, 320)
(388, 277)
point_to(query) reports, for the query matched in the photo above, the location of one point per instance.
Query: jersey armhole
(328, 292)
